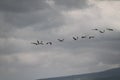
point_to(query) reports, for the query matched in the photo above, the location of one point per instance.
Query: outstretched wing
(38, 42)
(61, 40)
(102, 31)
(34, 43)
(109, 29)
(74, 38)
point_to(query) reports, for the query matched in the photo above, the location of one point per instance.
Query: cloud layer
(25, 21)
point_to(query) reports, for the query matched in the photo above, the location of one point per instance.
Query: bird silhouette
(109, 29)
(41, 43)
(95, 29)
(49, 43)
(75, 38)
(37, 43)
(102, 31)
(83, 36)
(60, 40)
(90, 37)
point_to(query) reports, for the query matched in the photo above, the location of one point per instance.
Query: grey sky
(25, 21)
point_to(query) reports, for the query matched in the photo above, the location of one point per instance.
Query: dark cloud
(39, 19)
(26, 13)
(22, 5)
(38, 22)
(43, 18)
(70, 4)
(20, 14)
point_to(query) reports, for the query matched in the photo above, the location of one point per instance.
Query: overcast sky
(25, 21)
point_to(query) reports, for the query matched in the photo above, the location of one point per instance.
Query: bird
(90, 37)
(49, 43)
(83, 36)
(102, 31)
(109, 29)
(41, 43)
(60, 40)
(95, 29)
(37, 43)
(75, 38)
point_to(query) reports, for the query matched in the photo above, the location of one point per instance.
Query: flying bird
(49, 43)
(60, 40)
(83, 36)
(95, 29)
(109, 29)
(102, 31)
(37, 43)
(75, 38)
(41, 43)
(90, 37)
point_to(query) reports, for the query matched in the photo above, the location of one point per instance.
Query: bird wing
(34, 43)
(38, 42)
(74, 38)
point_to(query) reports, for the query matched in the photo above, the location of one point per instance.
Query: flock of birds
(74, 38)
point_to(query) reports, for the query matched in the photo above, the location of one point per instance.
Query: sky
(25, 21)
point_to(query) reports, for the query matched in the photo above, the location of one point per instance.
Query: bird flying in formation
(75, 38)
(60, 40)
(50, 43)
(37, 43)
(41, 43)
(109, 29)
(83, 36)
(90, 37)
(95, 29)
(102, 31)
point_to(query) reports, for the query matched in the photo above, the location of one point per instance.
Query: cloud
(26, 21)
(69, 4)
(40, 20)
(22, 5)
